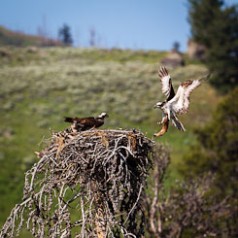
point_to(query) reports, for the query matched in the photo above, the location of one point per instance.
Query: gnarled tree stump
(86, 184)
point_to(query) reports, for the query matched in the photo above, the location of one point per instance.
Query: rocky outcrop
(173, 59)
(196, 51)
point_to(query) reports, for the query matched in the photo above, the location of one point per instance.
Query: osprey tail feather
(177, 123)
(69, 119)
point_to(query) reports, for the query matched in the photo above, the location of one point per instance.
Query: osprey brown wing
(98, 123)
(86, 123)
(77, 119)
(81, 124)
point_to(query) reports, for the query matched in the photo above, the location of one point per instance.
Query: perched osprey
(83, 124)
(175, 103)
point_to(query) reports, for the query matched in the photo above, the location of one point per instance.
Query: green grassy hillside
(38, 88)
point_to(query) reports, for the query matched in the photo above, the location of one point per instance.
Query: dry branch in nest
(86, 184)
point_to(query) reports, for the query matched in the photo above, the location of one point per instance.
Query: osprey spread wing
(175, 103)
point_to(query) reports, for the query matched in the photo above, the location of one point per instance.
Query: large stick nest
(86, 184)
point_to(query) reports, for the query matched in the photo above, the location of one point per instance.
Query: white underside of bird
(178, 103)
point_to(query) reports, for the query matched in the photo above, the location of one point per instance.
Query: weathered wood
(98, 174)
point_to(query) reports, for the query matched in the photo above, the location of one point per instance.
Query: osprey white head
(159, 105)
(103, 115)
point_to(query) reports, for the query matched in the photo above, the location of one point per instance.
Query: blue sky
(135, 24)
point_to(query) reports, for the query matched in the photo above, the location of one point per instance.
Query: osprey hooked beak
(158, 105)
(103, 115)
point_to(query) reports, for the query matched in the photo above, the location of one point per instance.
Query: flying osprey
(175, 103)
(83, 124)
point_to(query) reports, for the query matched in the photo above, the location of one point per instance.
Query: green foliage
(188, 209)
(215, 26)
(217, 149)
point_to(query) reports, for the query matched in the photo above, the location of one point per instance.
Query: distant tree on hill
(176, 46)
(215, 26)
(65, 35)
